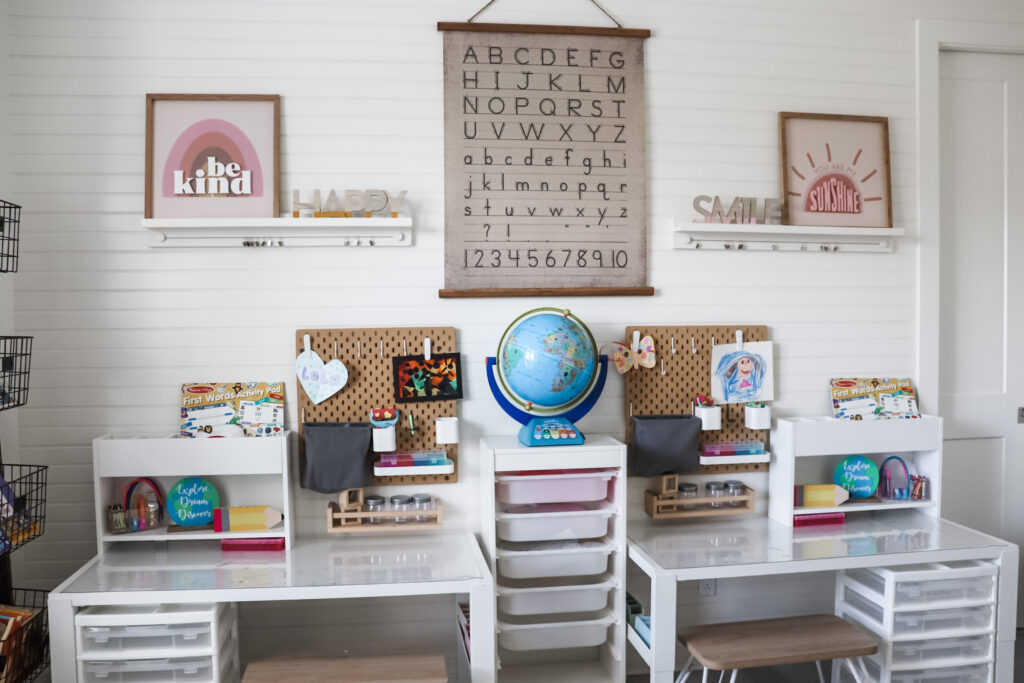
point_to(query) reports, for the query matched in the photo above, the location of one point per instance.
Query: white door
(981, 343)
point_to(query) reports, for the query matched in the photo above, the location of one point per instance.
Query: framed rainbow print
(212, 156)
(835, 170)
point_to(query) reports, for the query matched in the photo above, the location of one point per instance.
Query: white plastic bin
(563, 487)
(938, 651)
(928, 622)
(968, 581)
(558, 596)
(193, 669)
(183, 637)
(554, 521)
(975, 673)
(555, 634)
(553, 558)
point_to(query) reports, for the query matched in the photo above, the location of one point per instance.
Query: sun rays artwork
(212, 156)
(835, 170)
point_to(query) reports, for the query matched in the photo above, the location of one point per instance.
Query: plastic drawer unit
(922, 623)
(553, 558)
(556, 486)
(553, 521)
(157, 643)
(566, 631)
(555, 596)
(938, 652)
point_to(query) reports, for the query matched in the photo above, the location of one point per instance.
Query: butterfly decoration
(640, 355)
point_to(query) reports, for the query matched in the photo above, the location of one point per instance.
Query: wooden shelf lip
(724, 229)
(287, 231)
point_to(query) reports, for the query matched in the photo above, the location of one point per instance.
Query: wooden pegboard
(688, 373)
(367, 355)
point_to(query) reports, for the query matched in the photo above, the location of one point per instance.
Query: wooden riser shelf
(341, 522)
(658, 506)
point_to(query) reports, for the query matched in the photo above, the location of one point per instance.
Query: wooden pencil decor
(683, 370)
(367, 354)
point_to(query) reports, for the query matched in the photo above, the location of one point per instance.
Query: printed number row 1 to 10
(545, 258)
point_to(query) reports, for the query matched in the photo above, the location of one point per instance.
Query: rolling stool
(769, 642)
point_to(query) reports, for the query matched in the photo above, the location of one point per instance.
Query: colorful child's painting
(419, 379)
(742, 373)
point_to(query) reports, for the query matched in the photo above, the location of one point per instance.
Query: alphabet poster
(545, 158)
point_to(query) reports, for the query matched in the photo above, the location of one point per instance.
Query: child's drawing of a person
(742, 376)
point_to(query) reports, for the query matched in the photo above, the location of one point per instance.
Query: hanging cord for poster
(593, 2)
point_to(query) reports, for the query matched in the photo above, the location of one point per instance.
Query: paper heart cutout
(321, 381)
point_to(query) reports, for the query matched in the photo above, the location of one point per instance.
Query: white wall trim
(933, 37)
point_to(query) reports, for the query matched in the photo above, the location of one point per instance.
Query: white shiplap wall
(119, 326)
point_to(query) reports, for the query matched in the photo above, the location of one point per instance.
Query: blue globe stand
(549, 430)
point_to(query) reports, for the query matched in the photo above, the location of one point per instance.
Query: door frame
(934, 36)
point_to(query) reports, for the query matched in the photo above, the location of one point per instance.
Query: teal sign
(191, 502)
(858, 475)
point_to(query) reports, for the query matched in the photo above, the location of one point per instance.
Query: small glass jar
(117, 519)
(716, 491)
(688, 489)
(422, 502)
(374, 504)
(401, 503)
(735, 488)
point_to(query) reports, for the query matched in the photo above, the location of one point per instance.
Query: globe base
(550, 431)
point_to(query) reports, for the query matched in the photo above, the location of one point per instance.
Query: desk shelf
(245, 471)
(806, 449)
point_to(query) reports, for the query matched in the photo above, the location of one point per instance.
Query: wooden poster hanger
(542, 28)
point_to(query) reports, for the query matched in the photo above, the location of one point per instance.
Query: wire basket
(10, 219)
(22, 506)
(25, 651)
(15, 363)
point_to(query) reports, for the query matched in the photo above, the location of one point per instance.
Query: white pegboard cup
(384, 440)
(446, 430)
(757, 417)
(710, 417)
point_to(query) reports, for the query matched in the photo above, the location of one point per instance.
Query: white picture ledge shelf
(741, 237)
(280, 232)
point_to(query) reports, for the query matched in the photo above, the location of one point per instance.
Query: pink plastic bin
(578, 486)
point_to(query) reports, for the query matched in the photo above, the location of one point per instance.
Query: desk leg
(1006, 615)
(482, 645)
(663, 628)
(63, 662)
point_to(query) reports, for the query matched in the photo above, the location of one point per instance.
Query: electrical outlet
(707, 588)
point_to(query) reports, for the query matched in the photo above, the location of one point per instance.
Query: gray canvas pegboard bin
(688, 373)
(367, 354)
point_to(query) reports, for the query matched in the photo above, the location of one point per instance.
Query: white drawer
(914, 654)
(974, 673)
(564, 632)
(929, 623)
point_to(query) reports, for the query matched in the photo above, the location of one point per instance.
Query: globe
(546, 360)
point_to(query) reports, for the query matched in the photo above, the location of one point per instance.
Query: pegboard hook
(663, 366)
(335, 349)
(405, 350)
(426, 348)
(693, 345)
(673, 343)
(739, 339)
(359, 349)
(305, 343)
(636, 341)
(382, 348)
(631, 409)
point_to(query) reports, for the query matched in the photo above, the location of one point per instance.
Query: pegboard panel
(367, 355)
(669, 387)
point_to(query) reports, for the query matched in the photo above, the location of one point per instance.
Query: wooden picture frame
(441, 377)
(835, 170)
(241, 132)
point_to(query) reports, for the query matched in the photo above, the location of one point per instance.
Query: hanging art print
(742, 372)
(212, 156)
(420, 379)
(835, 170)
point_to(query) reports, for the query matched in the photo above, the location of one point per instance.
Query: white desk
(315, 569)
(758, 546)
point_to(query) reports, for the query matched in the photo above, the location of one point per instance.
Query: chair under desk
(758, 546)
(314, 569)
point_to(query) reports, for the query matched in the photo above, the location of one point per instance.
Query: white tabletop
(757, 545)
(357, 566)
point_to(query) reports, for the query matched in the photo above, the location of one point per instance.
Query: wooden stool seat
(771, 642)
(391, 668)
